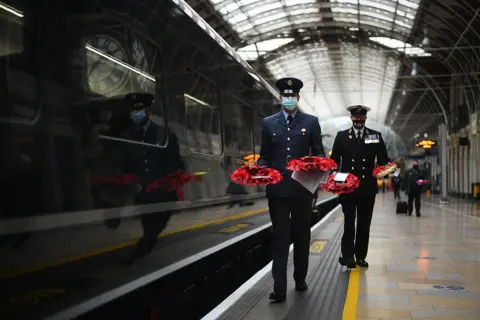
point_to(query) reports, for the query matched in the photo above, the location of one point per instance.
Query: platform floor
(420, 268)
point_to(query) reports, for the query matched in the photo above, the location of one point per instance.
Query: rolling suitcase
(402, 207)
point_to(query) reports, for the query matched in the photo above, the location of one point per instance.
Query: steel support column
(443, 162)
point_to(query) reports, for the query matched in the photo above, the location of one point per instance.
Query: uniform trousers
(291, 220)
(355, 242)
(411, 197)
(153, 223)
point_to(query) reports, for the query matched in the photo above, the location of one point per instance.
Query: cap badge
(359, 108)
(304, 130)
(289, 82)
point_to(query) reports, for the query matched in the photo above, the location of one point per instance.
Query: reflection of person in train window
(149, 161)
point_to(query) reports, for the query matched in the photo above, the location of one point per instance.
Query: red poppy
(351, 183)
(311, 163)
(172, 182)
(124, 179)
(382, 171)
(255, 175)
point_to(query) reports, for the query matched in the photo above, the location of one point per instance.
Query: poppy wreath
(382, 171)
(335, 187)
(124, 179)
(172, 182)
(255, 175)
(421, 182)
(311, 163)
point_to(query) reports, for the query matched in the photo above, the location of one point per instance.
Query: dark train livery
(68, 216)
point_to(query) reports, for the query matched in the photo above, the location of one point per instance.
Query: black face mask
(359, 124)
(415, 166)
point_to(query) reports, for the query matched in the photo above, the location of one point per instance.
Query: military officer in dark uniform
(289, 134)
(356, 150)
(149, 162)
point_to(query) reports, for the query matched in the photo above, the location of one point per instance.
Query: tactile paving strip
(328, 285)
(325, 298)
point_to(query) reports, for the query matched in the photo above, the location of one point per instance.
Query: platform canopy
(345, 51)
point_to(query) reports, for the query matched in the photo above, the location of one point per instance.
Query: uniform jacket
(410, 181)
(151, 162)
(282, 142)
(359, 158)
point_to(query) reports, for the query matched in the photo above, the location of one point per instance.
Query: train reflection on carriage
(74, 168)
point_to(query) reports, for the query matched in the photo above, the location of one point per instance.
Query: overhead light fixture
(414, 69)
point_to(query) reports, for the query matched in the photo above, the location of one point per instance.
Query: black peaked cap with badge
(139, 100)
(358, 110)
(289, 85)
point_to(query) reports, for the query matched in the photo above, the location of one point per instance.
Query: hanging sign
(426, 144)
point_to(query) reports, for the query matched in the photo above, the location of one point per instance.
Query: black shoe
(277, 298)
(362, 263)
(349, 263)
(301, 287)
(419, 214)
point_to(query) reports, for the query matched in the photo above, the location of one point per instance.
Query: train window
(258, 132)
(202, 114)
(18, 94)
(238, 131)
(113, 73)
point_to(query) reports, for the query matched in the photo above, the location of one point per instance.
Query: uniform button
(353, 160)
(363, 177)
(288, 129)
(274, 134)
(146, 170)
(363, 168)
(363, 160)
(353, 168)
(146, 161)
(288, 138)
(288, 149)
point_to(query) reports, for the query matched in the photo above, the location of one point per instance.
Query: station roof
(395, 56)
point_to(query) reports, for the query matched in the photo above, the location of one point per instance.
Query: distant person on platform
(357, 150)
(289, 134)
(412, 185)
(396, 185)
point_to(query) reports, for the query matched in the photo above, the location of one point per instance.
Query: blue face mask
(289, 103)
(138, 115)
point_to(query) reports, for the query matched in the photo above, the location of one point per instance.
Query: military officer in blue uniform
(289, 134)
(357, 150)
(149, 161)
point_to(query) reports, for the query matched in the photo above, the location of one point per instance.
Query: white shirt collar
(357, 130)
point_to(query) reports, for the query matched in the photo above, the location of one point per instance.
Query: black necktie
(289, 119)
(359, 136)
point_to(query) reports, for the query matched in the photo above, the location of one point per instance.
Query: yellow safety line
(126, 244)
(351, 301)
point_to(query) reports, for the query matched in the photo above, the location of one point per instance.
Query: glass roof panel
(252, 17)
(338, 75)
